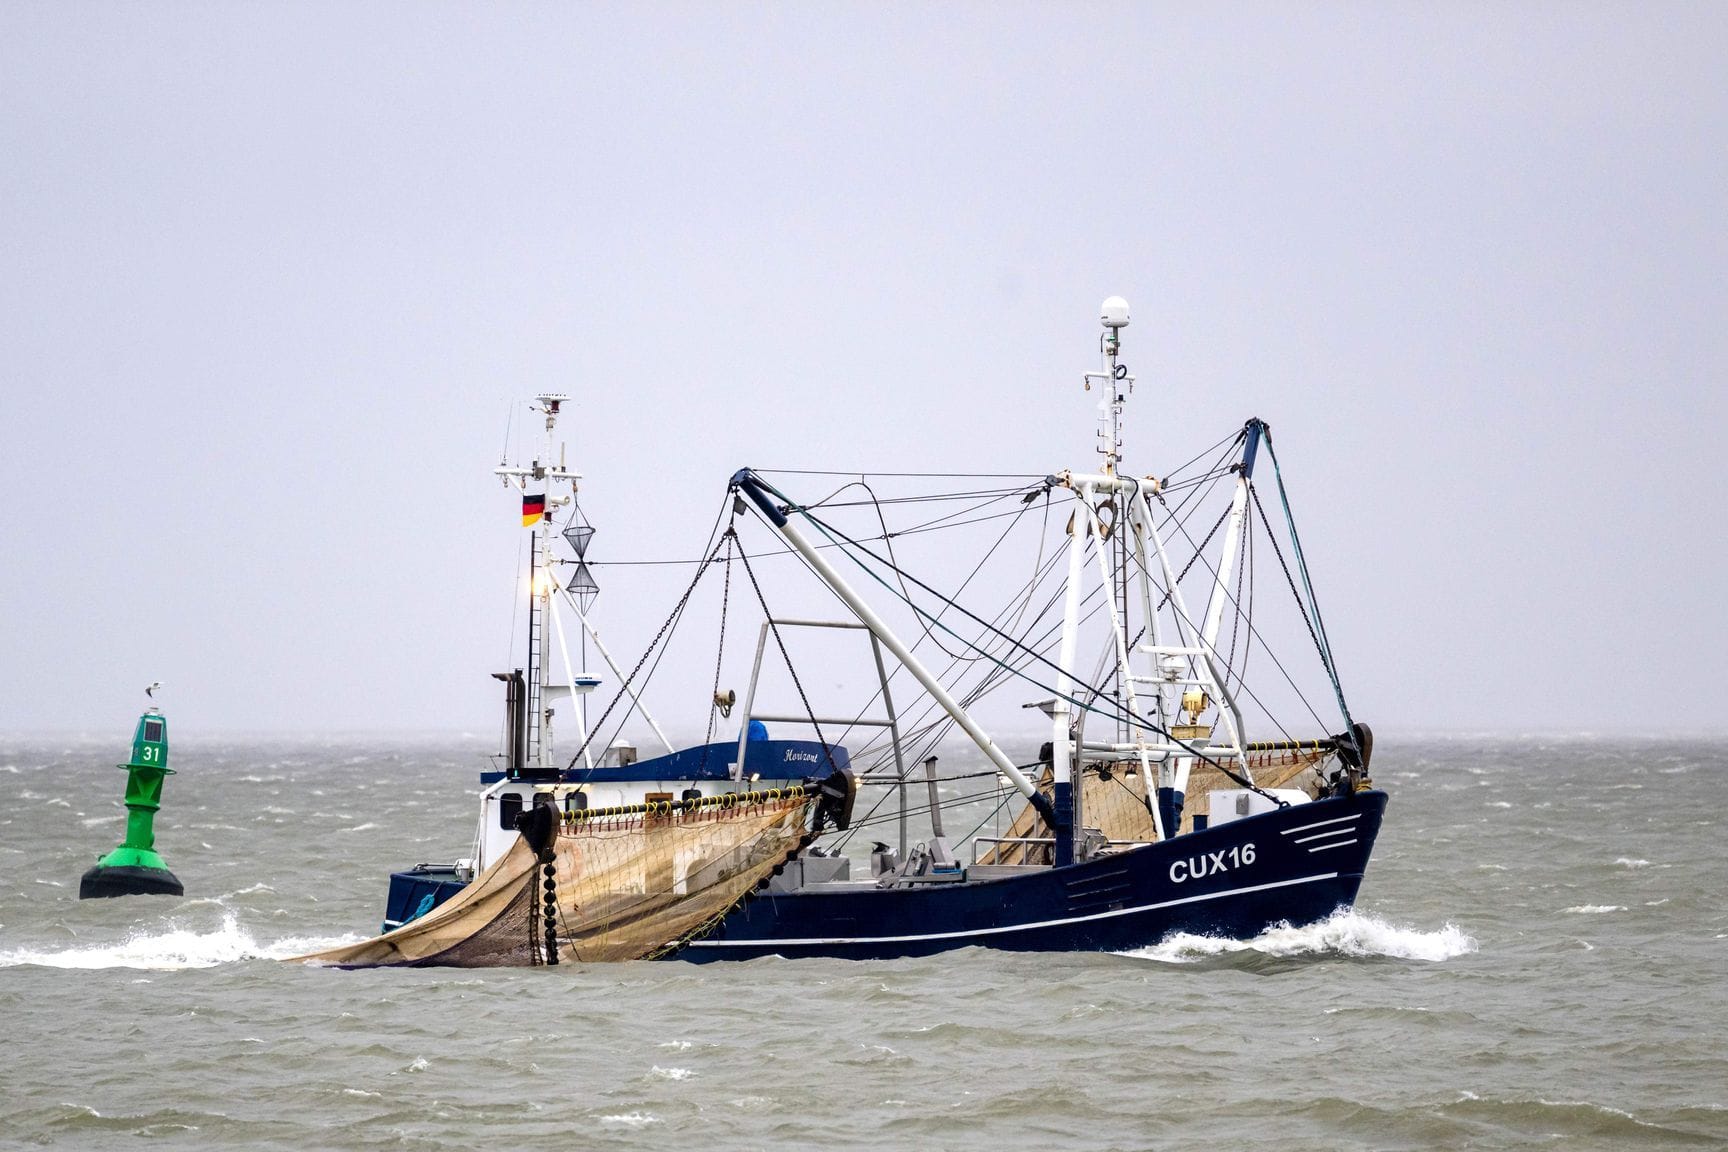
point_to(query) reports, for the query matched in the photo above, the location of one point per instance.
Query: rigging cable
(1306, 619)
(677, 611)
(1254, 634)
(779, 643)
(894, 562)
(1313, 604)
(925, 735)
(1133, 721)
(935, 525)
(901, 475)
(1232, 440)
(731, 538)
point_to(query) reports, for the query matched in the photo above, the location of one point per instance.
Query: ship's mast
(1117, 385)
(539, 479)
(1185, 671)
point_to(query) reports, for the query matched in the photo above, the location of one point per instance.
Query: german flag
(533, 509)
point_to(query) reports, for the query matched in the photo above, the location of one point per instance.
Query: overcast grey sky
(272, 275)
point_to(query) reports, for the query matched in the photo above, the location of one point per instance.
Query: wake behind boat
(1147, 811)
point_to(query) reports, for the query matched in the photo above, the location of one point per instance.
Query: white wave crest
(1347, 933)
(173, 947)
(1594, 909)
(631, 1120)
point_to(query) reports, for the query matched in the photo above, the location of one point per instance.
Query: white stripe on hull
(828, 941)
(1321, 824)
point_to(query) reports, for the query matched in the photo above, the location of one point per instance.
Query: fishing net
(1114, 802)
(604, 884)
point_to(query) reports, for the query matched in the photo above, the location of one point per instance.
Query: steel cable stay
(843, 539)
(1196, 489)
(991, 675)
(668, 626)
(1001, 803)
(930, 732)
(1254, 634)
(1300, 607)
(985, 494)
(898, 475)
(948, 521)
(1093, 692)
(677, 617)
(1000, 667)
(891, 675)
(1031, 588)
(1228, 443)
(1170, 592)
(1157, 578)
(941, 523)
(925, 736)
(780, 643)
(961, 800)
(1129, 721)
(1198, 555)
(1313, 604)
(887, 536)
(1238, 617)
(1217, 472)
(731, 538)
(1097, 692)
(1042, 571)
(888, 545)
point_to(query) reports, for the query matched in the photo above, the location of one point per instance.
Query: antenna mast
(546, 469)
(1118, 386)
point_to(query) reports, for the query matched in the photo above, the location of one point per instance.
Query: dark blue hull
(1295, 865)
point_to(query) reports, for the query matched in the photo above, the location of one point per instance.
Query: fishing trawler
(1147, 810)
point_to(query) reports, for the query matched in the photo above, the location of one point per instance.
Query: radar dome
(1114, 312)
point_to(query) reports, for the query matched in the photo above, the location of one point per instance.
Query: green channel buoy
(135, 868)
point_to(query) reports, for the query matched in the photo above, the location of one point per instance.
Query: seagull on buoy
(151, 690)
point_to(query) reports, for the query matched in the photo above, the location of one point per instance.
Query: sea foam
(172, 947)
(1348, 933)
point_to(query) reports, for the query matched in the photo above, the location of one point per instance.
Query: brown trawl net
(607, 884)
(1115, 802)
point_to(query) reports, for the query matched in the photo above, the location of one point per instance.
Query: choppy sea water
(1539, 957)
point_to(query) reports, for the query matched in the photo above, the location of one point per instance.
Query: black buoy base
(103, 881)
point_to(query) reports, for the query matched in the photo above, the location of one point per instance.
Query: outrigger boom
(752, 486)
